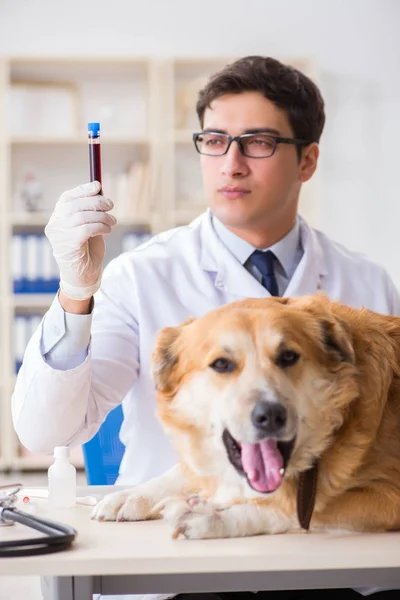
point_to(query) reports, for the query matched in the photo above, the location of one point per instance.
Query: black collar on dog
(306, 493)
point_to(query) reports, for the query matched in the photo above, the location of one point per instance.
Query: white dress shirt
(288, 252)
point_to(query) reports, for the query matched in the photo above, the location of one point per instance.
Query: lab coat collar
(231, 276)
(286, 249)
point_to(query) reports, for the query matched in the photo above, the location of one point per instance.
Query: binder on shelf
(33, 267)
(31, 263)
(17, 259)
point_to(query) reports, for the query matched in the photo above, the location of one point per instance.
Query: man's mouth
(233, 192)
(263, 464)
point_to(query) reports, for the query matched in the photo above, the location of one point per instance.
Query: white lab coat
(180, 273)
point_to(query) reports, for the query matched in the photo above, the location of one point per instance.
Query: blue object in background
(103, 453)
(33, 266)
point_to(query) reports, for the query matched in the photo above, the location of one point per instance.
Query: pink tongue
(262, 463)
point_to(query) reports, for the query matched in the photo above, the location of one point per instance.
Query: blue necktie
(264, 261)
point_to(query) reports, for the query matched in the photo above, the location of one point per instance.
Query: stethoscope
(58, 537)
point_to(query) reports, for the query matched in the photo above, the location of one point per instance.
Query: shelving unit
(147, 113)
(51, 143)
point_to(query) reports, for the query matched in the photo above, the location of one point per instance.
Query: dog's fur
(342, 400)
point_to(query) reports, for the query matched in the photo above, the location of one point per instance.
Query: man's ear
(165, 358)
(338, 340)
(309, 161)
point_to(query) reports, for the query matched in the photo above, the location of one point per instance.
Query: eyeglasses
(252, 145)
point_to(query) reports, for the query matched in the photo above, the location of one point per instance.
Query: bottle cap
(61, 452)
(94, 129)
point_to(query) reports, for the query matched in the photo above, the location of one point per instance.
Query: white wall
(354, 44)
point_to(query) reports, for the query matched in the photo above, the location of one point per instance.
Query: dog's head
(258, 385)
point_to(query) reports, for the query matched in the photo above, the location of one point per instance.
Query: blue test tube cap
(94, 129)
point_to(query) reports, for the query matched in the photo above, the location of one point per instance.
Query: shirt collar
(285, 249)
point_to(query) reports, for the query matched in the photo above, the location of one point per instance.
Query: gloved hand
(75, 231)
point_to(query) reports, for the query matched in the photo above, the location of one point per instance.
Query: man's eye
(262, 141)
(212, 141)
(223, 365)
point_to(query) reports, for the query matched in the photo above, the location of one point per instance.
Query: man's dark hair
(283, 85)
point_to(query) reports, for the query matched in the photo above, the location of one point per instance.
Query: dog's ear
(337, 339)
(165, 358)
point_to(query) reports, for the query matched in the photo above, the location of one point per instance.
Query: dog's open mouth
(263, 464)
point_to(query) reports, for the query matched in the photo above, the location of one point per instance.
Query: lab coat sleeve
(53, 407)
(393, 297)
(65, 337)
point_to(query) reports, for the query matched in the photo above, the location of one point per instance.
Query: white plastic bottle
(62, 480)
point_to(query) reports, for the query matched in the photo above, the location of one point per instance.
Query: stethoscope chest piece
(8, 499)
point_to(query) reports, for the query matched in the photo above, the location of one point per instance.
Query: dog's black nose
(269, 417)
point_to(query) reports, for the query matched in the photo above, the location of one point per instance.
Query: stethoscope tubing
(57, 536)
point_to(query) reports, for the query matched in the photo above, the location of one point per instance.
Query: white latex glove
(75, 231)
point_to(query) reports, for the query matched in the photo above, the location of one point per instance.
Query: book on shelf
(130, 192)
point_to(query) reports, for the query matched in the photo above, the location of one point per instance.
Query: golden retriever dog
(256, 392)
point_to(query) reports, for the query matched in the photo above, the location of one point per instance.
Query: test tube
(94, 152)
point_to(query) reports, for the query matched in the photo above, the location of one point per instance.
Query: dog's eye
(223, 365)
(287, 358)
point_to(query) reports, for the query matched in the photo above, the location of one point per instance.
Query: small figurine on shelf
(31, 192)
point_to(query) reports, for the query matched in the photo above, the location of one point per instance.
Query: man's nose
(234, 163)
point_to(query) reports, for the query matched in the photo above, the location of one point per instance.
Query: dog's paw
(128, 505)
(194, 517)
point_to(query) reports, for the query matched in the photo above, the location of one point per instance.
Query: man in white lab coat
(260, 124)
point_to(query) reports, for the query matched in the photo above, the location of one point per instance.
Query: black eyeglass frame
(238, 138)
